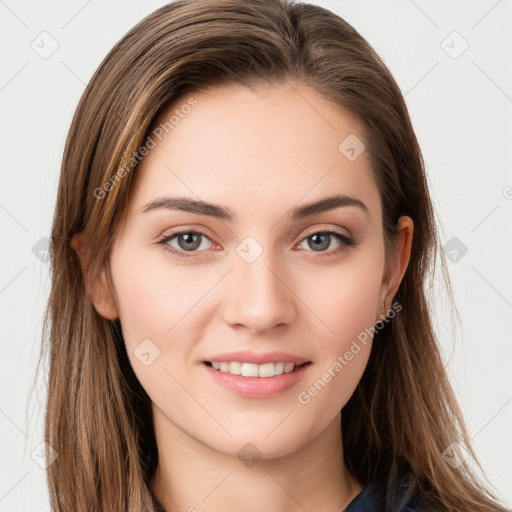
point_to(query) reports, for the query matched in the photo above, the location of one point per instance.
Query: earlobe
(97, 288)
(102, 298)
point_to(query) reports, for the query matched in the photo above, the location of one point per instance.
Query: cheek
(153, 297)
(346, 306)
(155, 307)
(345, 298)
(163, 311)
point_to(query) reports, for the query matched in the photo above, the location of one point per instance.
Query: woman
(241, 244)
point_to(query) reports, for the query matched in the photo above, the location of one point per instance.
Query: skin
(260, 154)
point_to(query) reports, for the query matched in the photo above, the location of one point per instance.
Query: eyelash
(346, 241)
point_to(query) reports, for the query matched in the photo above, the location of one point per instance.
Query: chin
(253, 445)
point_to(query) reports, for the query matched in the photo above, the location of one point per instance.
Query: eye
(192, 241)
(320, 241)
(187, 241)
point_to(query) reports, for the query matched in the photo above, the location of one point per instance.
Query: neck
(191, 476)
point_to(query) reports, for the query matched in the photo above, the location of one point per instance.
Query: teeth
(278, 368)
(235, 368)
(250, 370)
(253, 370)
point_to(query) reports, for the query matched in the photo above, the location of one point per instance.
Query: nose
(259, 296)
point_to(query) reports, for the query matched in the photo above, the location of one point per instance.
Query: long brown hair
(403, 414)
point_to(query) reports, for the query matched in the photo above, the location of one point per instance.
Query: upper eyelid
(327, 228)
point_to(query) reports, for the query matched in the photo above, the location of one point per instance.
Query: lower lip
(257, 387)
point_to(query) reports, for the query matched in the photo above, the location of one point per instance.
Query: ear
(98, 287)
(397, 265)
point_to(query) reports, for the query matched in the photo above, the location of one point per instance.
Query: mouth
(266, 370)
(251, 380)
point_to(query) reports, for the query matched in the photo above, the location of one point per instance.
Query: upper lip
(246, 356)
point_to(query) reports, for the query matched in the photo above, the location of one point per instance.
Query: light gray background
(461, 110)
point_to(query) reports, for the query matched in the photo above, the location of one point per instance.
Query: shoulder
(373, 499)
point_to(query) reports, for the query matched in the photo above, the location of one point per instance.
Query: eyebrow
(202, 208)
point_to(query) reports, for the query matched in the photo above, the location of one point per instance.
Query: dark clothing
(372, 499)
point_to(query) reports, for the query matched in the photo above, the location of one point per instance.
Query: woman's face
(253, 271)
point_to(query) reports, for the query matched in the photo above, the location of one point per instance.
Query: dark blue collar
(373, 499)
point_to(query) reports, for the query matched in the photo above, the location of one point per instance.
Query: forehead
(271, 145)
